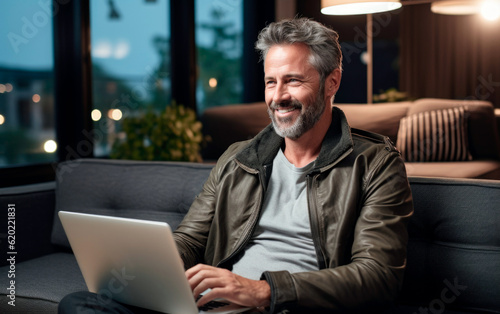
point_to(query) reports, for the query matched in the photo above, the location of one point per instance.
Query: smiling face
(295, 98)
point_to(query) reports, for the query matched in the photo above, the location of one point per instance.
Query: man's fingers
(205, 284)
(196, 274)
(224, 284)
(194, 270)
(203, 277)
(213, 294)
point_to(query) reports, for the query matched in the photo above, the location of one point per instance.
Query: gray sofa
(228, 124)
(453, 252)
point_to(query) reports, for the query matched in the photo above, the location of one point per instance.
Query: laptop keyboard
(211, 305)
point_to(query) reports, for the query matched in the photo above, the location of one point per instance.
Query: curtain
(454, 57)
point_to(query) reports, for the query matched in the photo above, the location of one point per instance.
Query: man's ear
(332, 83)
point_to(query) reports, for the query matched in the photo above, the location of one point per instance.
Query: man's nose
(281, 93)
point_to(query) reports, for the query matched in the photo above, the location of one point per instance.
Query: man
(308, 216)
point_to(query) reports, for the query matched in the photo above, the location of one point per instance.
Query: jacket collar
(264, 147)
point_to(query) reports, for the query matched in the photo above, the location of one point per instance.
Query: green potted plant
(173, 134)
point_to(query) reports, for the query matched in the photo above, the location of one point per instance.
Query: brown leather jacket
(359, 204)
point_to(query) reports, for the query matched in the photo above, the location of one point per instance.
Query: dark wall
(352, 32)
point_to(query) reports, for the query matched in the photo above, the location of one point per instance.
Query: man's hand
(227, 285)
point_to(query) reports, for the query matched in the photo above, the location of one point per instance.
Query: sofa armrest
(32, 209)
(453, 242)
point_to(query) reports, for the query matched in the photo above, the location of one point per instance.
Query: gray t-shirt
(282, 239)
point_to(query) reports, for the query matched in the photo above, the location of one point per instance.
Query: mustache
(295, 104)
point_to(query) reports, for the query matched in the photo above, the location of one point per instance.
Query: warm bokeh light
(364, 57)
(36, 98)
(8, 87)
(335, 7)
(2, 119)
(115, 114)
(96, 115)
(212, 82)
(490, 10)
(3, 89)
(50, 146)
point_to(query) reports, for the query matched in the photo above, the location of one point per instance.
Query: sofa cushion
(437, 135)
(484, 142)
(161, 191)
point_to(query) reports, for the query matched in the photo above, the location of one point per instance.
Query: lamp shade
(456, 7)
(354, 7)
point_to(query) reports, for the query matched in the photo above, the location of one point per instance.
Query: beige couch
(228, 124)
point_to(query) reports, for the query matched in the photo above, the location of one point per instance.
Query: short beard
(305, 121)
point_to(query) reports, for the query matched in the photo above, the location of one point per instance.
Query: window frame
(73, 86)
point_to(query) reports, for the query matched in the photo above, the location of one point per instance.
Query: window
(56, 104)
(130, 63)
(219, 46)
(27, 131)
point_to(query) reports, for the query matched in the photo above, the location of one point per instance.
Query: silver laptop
(135, 262)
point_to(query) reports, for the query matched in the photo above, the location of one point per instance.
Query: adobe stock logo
(448, 296)
(380, 21)
(485, 88)
(226, 6)
(117, 283)
(31, 26)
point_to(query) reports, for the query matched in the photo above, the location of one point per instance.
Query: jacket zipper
(314, 221)
(313, 210)
(253, 223)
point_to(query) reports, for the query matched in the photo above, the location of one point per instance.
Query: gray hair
(323, 42)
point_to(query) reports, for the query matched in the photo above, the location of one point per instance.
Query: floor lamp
(357, 7)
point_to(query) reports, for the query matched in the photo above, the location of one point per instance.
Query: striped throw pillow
(438, 135)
